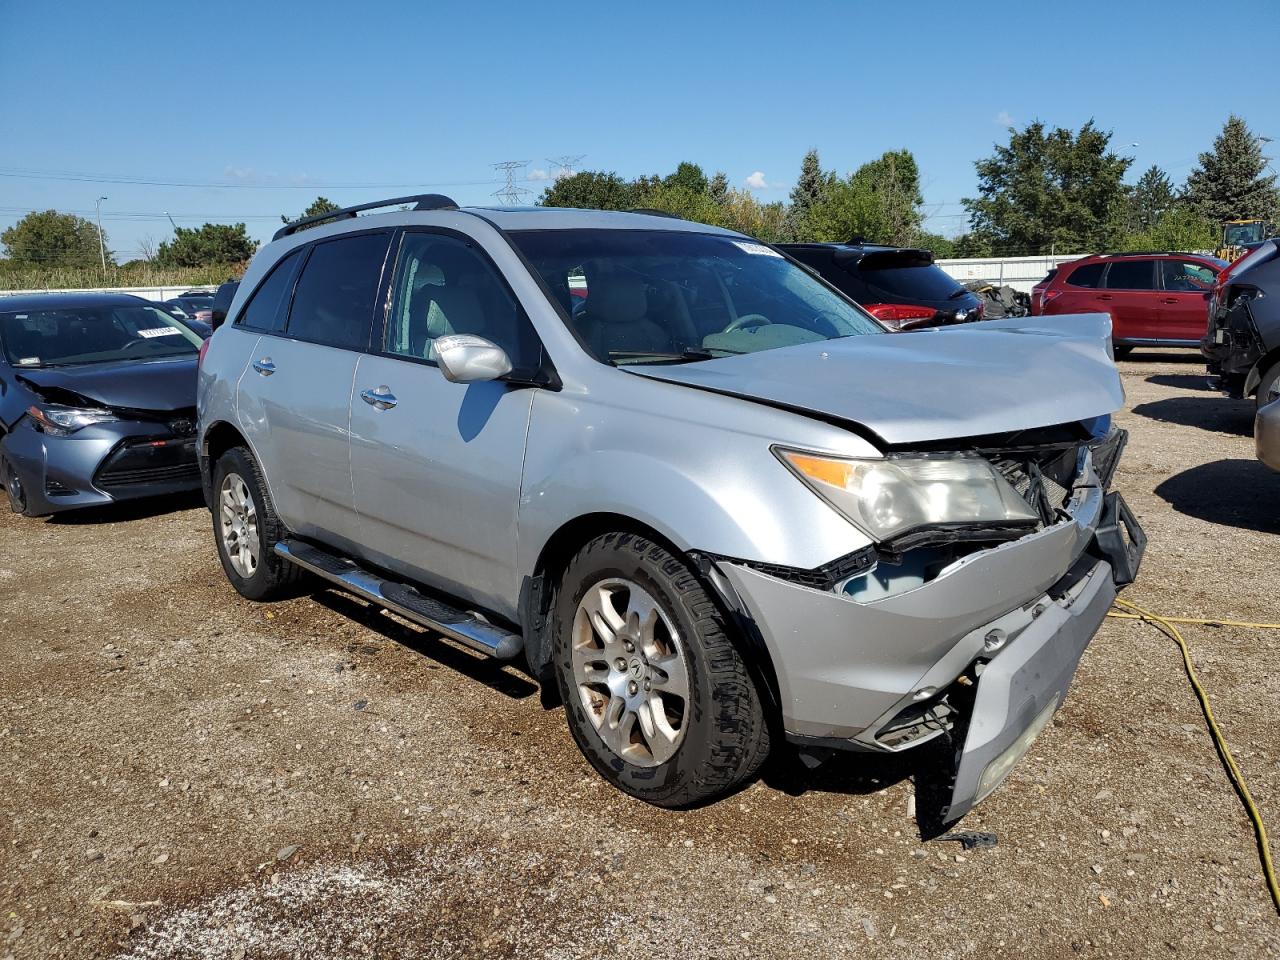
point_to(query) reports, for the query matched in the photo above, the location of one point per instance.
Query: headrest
(617, 298)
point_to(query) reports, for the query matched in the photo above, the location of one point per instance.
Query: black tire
(725, 731)
(13, 487)
(1269, 379)
(1121, 350)
(274, 577)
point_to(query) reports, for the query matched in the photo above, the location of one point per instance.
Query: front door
(1184, 298)
(435, 465)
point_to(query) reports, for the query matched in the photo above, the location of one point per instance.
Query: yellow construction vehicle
(1238, 235)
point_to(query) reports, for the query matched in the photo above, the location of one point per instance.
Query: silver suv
(702, 494)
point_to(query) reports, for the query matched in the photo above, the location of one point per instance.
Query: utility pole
(171, 223)
(565, 164)
(102, 248)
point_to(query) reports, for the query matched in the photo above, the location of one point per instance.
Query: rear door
(295, 397)
(1129, 295)
(1078, 292)
(435, 465)
(1184, 298)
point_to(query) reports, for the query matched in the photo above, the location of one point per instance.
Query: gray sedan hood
(970, 380)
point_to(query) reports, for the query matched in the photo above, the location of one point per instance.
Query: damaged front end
(964, 631)
(66, 450)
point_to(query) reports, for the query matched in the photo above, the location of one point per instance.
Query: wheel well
(1264, 364)
(220, 438)
(536, 593)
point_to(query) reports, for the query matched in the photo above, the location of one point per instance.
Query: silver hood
(974, 379)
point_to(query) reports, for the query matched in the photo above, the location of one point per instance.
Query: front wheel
(657, 696)
(1269, 379)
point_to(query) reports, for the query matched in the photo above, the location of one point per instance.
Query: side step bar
(405, 600)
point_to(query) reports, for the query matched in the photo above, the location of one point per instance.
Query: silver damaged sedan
(705, 498)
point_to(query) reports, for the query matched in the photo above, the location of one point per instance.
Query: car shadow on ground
(862, 774)
(129, 510)
(495, 674)
(1216, 414)
(1168, 356)
(1231, 493)
(1183, 381)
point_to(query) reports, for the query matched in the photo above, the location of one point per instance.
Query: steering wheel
(747, 320)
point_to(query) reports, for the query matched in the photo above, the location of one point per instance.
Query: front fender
(701, 487)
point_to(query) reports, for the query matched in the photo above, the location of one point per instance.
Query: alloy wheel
(631, 672)
(238, 522)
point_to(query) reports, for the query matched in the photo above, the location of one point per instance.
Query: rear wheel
(1121, 350)
(246, 529)
(657, 696)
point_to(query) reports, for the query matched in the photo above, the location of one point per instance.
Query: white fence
(147, 293)
(1021, 273)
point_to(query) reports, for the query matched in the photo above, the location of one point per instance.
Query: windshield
(645, 296)
(42, 338)
(1240, 233)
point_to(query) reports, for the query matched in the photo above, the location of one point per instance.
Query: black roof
(851, 245)
(66, 301)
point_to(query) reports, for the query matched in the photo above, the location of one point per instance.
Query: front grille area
(138, 463)
(1043, 477)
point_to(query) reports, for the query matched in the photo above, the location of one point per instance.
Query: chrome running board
(404, 600)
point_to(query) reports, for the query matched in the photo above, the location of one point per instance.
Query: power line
(23, 173)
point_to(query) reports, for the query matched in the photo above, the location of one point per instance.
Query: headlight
(61, 421)
(888, 497)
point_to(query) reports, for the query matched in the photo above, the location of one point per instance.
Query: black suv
(1242, 344)
(900, 286)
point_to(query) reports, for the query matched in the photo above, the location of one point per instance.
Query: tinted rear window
(333, 301)
(1088, 275)
(925, 283)
(263, 310)
(1131, 275)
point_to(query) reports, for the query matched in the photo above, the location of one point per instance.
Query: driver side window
(444, 286)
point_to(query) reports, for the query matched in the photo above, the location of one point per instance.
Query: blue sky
(254, 109)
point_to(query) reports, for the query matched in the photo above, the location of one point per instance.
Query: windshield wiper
(691, 354)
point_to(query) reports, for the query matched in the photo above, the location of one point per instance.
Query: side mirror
(466, 358)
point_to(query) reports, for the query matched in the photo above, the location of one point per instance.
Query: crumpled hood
(975, 379)
(162, 384)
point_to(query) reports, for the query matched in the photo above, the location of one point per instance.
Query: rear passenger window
(334, 298)
(1087, 276)
(265, 309)
(1131, 275)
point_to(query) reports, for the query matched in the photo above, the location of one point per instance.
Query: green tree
(880, 202)
(941, 247)
(590, 190)
(1178, 228)
(53, 239)
(211, 244)
(811, 185)
(1050, 189)
(318, 206)
(1151, 198)
(1231, 180)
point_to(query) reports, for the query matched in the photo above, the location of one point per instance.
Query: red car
(1155, 299)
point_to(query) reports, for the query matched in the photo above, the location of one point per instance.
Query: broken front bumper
(99, 464)
(872, 675)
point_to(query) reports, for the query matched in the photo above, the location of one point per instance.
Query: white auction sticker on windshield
(759, 249)
(160, 332)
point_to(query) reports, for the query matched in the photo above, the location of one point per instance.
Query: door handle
(1169, 300)
(264, 366)
(380, 398)
(1105, 296)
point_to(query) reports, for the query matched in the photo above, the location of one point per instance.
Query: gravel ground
(187, 774)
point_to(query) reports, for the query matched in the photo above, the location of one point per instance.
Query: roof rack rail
(422, 201)
(1145, 253)
(654, 212)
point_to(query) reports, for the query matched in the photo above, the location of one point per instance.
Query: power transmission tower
(509, 194)
(565, 164)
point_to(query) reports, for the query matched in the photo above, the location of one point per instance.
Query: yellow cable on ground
(1206, 623)
(1166, 625)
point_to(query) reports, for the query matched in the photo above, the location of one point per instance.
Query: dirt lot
(187, 774)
